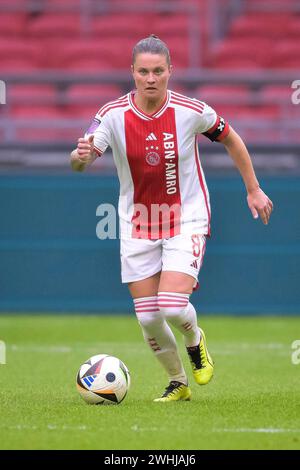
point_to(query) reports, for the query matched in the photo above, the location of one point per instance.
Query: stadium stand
(61, 59)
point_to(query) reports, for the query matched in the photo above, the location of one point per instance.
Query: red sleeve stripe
(188, 100)
(97, 151)
(100, 110)
(103, 112)
(193, 101)
(185, 105)
(112, 103)
(123, 97)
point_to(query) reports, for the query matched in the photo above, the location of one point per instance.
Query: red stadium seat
(14, 6)
(236, 63)
(121, 57)
(263, 25)
(235, 112)
(227, 111)
(179, 50)
(116, 3)
(225, 94)
(103, 54)
(258, 4)
(61, 5)
(87, 111)
(287, 62)
(255, 112)
(54, 133)
(11, 65)
(35, 111)
(19, 49)
(257, 135)
(85, 65)
(172, 25)
(39, 123)
(247, 52)
(285, 54)
(33, 94)
(122, 25)
(53, 24)
(62, 39)
(12, 24)
(79, 49)
(280, 94)
(93, 93)
(294, 28)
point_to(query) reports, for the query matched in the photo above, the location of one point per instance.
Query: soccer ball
(103, 380)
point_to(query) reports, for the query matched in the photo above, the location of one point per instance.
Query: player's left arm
(258, 202)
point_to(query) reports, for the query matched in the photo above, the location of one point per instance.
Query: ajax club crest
(152, 158)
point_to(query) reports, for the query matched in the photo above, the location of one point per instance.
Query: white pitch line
(257, 430)
(54, 427)
(137, 428)
(106, 348)
(40, 349)
(259, 345)
(227, 349)
(51, 427)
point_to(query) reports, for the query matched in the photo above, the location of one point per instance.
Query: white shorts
(142, 258)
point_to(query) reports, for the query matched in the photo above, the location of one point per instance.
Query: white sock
(177, 309)
(160, 337)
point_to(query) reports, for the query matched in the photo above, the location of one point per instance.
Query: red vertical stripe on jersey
(154, 169)
(202, 185)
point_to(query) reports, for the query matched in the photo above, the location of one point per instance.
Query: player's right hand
(260, 205)
(85, 148)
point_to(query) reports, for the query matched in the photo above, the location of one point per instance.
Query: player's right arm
(93, 144)
(84, 154)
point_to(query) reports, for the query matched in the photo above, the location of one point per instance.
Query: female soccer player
(164, 204)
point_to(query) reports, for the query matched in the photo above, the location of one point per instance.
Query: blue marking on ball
(110, 377)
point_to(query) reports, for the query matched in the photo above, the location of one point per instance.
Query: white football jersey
(163, 191)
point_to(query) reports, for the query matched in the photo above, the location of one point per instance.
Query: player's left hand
(260, 205)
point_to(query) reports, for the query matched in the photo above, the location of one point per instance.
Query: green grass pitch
(251, 403)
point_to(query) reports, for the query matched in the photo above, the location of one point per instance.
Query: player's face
(151, 74)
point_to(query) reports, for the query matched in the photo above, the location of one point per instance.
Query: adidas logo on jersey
(151, 136)
(194, 264)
